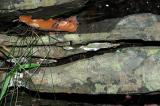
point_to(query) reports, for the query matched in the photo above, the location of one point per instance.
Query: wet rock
(139, 26)
(129, 70)
(29, 4)
(122, 70)
(12, 9)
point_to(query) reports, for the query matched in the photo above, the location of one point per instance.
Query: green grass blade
(12, 73)
(5, 84)
(29, 66)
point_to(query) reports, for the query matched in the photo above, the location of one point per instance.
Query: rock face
(97, 59)
(10, 10)
(30, 4)
(129, 70)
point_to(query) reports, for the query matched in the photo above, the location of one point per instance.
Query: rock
(12, 9)
(96, 59)
(30, 4)
(142, 26)
(129, 70)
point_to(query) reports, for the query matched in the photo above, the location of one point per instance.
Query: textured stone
(123, 70)
(30, 4)
(129, 70)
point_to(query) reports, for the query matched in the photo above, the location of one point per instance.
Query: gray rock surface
(122, 70)
(30, 4)
(129, 70)
(10, 10)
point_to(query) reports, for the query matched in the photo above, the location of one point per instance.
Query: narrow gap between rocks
(124, 99)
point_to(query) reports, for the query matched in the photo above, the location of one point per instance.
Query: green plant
(10, 75)
(21, 56)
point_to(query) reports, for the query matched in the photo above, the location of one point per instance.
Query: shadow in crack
(27, 96)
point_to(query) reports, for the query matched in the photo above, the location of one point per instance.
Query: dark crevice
(136, 42)
(62, 10)
(136, 99)
(105, 9)
(96, 10)
(88, 11)
(127, 42)
(89, 54)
